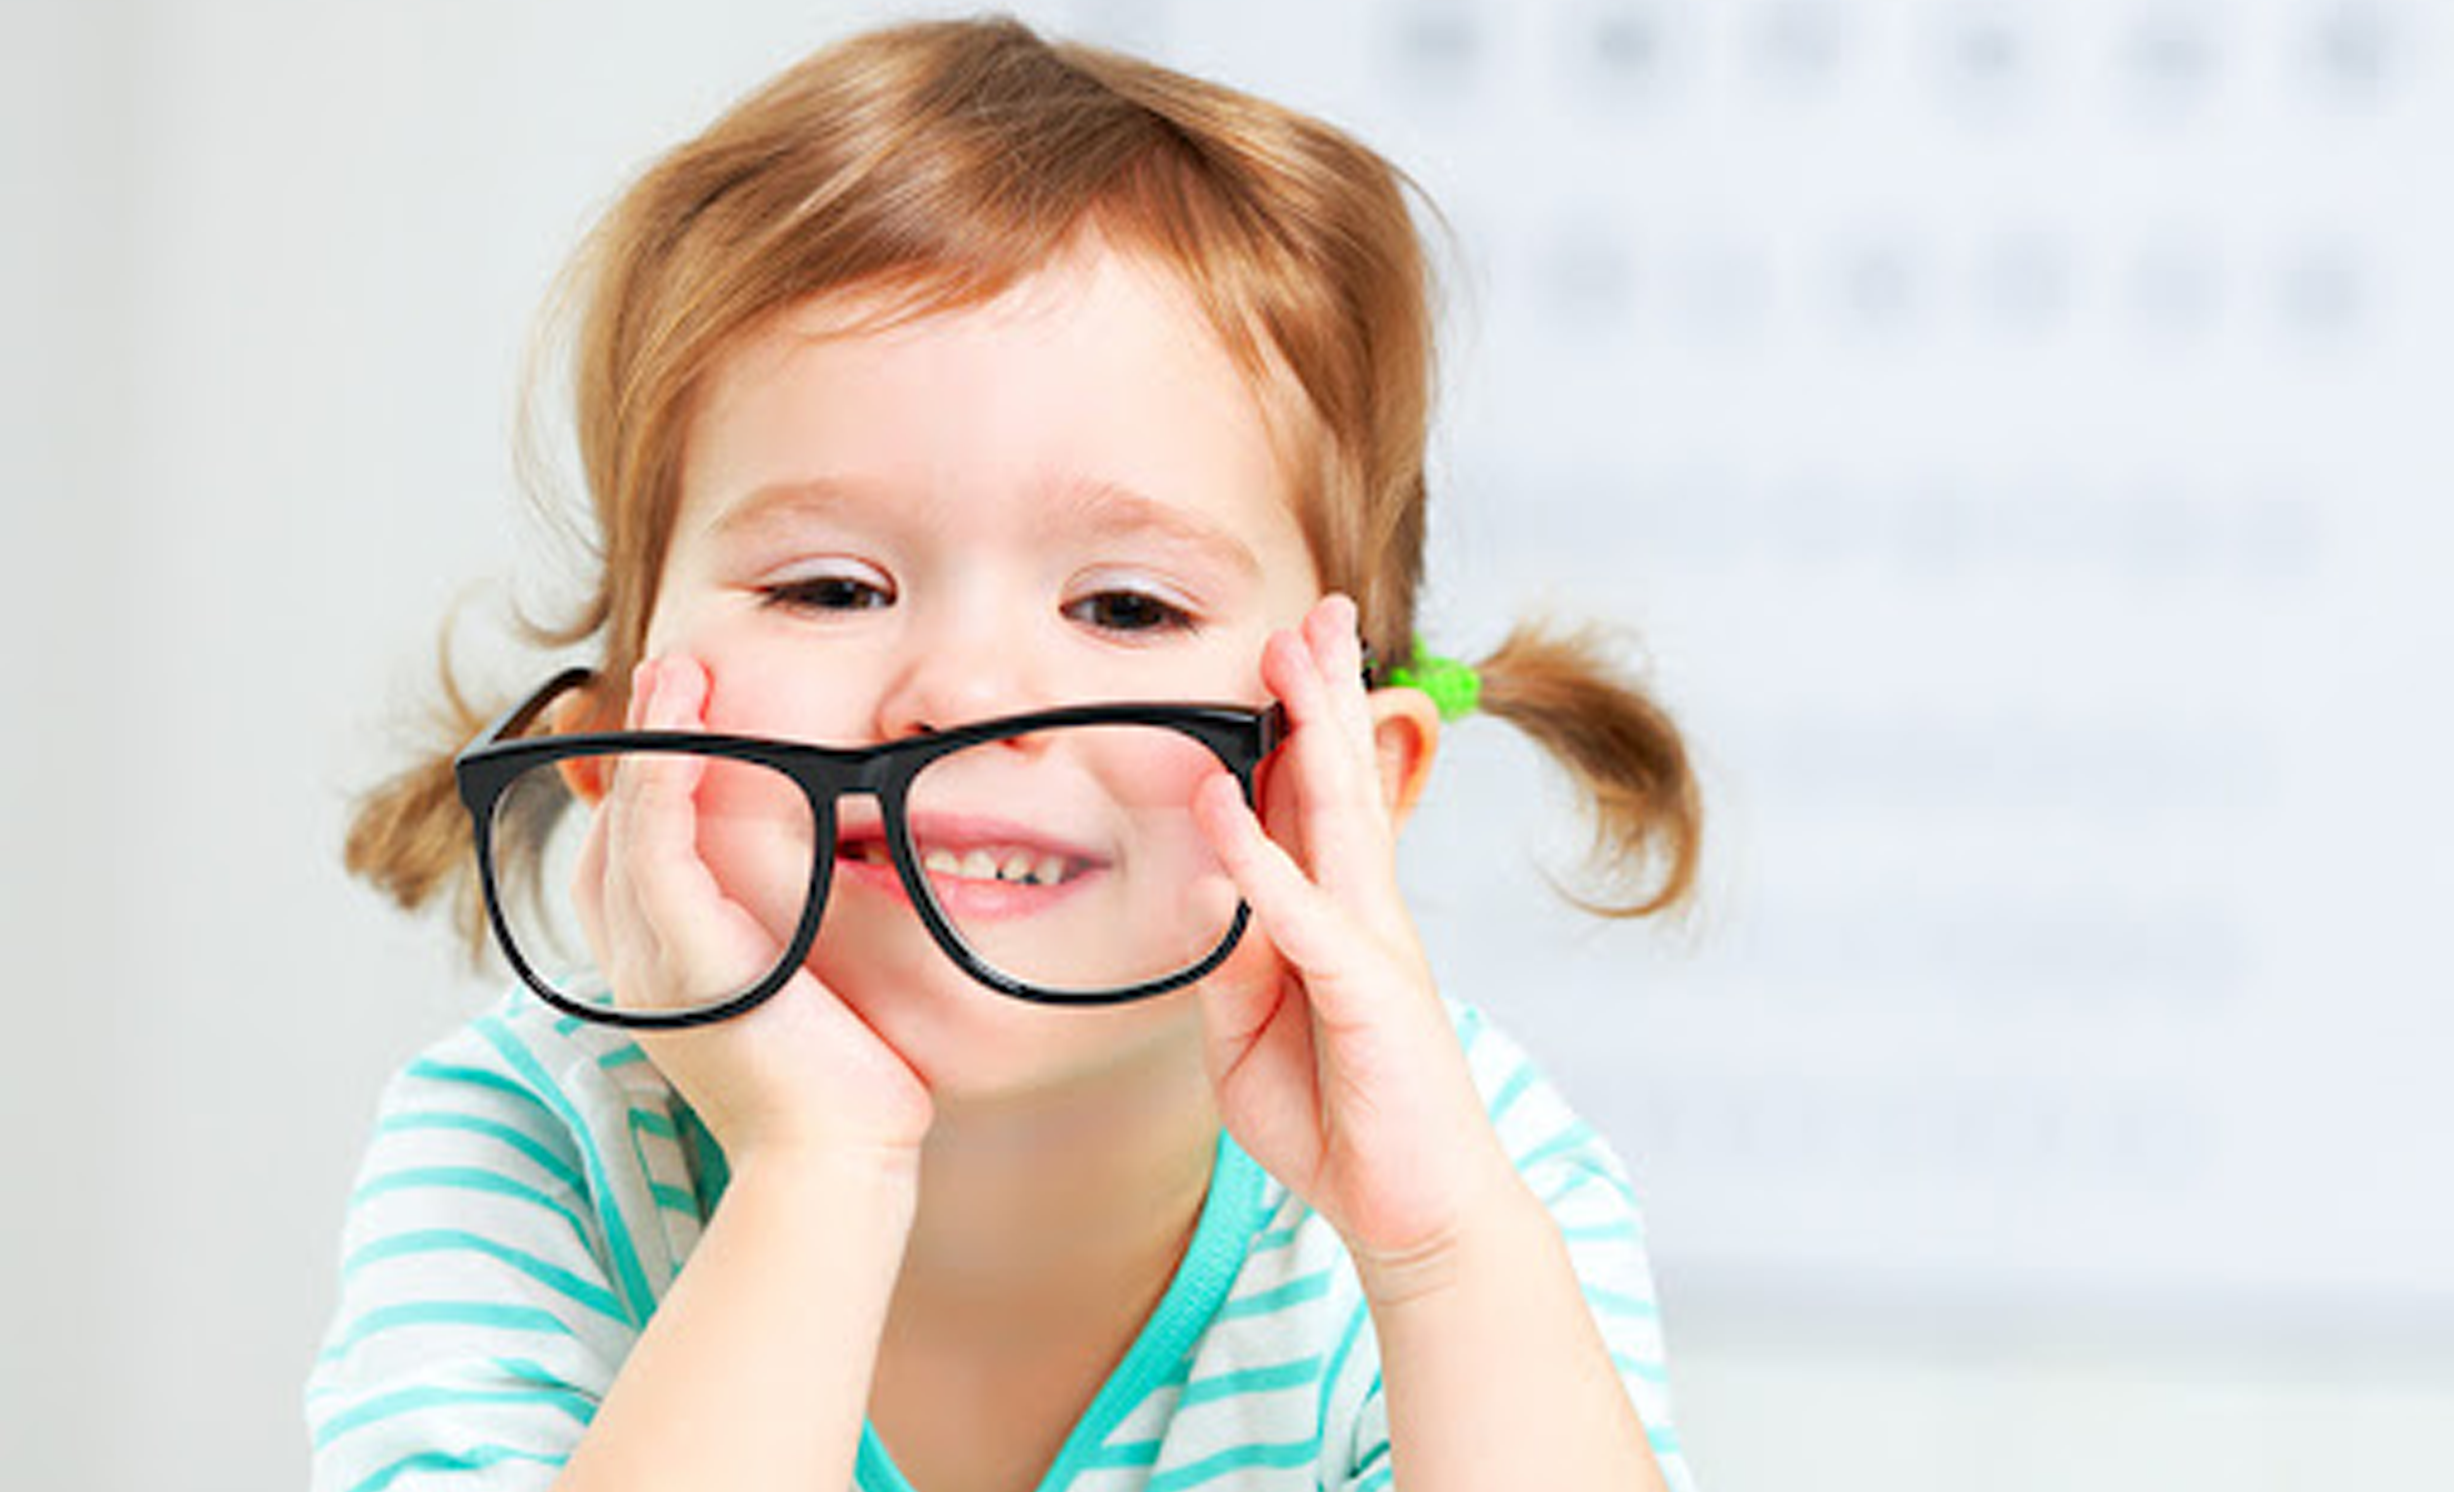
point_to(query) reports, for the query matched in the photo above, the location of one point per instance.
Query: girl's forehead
(1098, 369)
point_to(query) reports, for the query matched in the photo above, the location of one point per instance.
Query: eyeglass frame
(1241, 737)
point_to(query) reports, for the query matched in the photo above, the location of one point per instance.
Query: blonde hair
(938, 164)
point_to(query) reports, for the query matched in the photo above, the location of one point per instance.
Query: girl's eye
(827, 593)
(1129, 611)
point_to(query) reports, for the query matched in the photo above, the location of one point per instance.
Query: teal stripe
(1289, 1203)
(444, 1240)
(1511, 1091)
(1376, 1462)
(705, 1158)
(1337, 1361)
(636, 1134)
(546, 1160)
(483, 1313)
(674, 1199)
(475, 1077)
(1573, 1137)
(1665, 1441)
(1126, 1454)
(1250, 1381)
(466, 1179)
(411, 1400)
(523, 1370)
(1278, 1456)
(1618, 1184)
(1612, 1302)
(1311, 1287)
(1586, 1174)
(618, 1241)
(475, 1458)
(1577, 1181)
(655, 1124)
(1276, 1238)
(628, 1056)
(1376, 1481)
(1650, 1372)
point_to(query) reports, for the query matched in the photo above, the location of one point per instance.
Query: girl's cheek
(787, 699)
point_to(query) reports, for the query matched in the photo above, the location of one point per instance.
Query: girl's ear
(1405, 738)
(590, 707)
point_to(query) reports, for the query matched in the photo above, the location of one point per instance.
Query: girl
(977, 1069)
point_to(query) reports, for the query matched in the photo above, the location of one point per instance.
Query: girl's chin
(970, 1043)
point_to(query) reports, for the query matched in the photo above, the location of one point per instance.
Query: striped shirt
(534, 1186)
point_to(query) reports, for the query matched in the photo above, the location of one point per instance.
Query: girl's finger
(699, 952)
(1337, 650)
(1319, 737)
(1346, 834)
(1307, 927)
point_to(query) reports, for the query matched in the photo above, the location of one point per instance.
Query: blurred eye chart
(2018, 435)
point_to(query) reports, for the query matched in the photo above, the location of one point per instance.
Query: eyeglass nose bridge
(883, 776)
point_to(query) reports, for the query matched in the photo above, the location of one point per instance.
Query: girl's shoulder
(522, 1055)
(1573, 1167)
(1530, 1112)
(520, 1209)
(522, 1119)
(520, 1086)
(1569, 1164)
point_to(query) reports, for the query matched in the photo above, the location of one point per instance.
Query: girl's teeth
(1013, 867)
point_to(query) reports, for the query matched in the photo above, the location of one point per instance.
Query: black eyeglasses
(1052, 856)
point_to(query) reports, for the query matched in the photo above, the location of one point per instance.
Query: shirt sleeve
(505, 1242)
(1586, 1188)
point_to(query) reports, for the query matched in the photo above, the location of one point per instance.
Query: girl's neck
(1059, 1207)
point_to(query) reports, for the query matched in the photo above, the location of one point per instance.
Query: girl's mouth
(977, 867)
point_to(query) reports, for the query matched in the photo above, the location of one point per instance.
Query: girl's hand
(1339, 1070)
(801, 1074)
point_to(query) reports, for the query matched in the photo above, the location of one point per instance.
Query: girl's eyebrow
(1105, 509)
(1089, 506)
(778, 505)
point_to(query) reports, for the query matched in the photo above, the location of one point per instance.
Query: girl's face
(1065, 496)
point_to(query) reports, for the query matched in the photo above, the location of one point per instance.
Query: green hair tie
(1455, 688)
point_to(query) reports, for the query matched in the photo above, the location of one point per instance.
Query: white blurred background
(2018, 433)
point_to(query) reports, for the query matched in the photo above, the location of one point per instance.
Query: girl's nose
(954, 673)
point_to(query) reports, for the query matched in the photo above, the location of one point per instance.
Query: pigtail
(409, 836)
(1624, 753)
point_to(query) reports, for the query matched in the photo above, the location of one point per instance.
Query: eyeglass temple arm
(1274, 719)
(524, 714)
